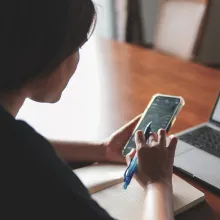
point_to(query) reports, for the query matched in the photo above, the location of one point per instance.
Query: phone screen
(161, 113)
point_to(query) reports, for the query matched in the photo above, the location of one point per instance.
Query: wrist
(161, 184)
(159, 200)
(102, 152)
(106, 152)
(112, 154)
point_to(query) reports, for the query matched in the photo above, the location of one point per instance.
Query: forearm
(158, 204)
(80, 152)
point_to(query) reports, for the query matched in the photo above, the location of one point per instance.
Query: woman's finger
(140, 139)
(130, 156)
(162, 137)
(124, 133)
(128, 128)
(172, 145)
(153, 139)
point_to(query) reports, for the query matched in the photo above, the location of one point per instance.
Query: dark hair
(37, 35)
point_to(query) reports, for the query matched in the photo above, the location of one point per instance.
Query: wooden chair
(180, 26)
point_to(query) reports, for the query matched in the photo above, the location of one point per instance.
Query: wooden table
(114, 83)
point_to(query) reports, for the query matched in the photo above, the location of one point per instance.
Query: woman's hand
(116, 142)
(155, 160)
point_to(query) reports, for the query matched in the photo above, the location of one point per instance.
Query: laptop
(198, 149)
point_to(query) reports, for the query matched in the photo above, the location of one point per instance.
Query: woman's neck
(12, 102)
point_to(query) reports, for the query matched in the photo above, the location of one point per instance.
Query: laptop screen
(216, 112)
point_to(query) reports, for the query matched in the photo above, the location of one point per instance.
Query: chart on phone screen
(160, 113)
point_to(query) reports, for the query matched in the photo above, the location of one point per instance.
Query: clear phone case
(169, 125)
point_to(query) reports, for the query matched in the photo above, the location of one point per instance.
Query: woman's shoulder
(17, 134)
(21, 144)
(8, 124)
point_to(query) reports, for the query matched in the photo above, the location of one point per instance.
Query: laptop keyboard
(204, 138)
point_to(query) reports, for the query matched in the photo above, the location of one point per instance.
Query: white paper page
(127, 204)
(100, 176)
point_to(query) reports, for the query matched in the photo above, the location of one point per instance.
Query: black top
(34, 182)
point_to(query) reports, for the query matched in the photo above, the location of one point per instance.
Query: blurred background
(187, 29)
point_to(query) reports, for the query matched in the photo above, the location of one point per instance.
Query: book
(104, 182)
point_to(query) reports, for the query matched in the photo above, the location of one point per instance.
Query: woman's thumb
(139, 139)
(130, 156)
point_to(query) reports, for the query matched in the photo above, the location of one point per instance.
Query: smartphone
(162, 111)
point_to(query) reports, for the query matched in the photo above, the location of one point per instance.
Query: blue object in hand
(133, 164)
(130, 172)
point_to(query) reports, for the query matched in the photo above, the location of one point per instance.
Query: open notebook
(104, 182)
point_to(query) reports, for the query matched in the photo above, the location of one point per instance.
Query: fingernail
(173, 139)
(139, 136)
(162, 132)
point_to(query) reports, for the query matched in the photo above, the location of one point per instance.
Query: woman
(40, 43)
